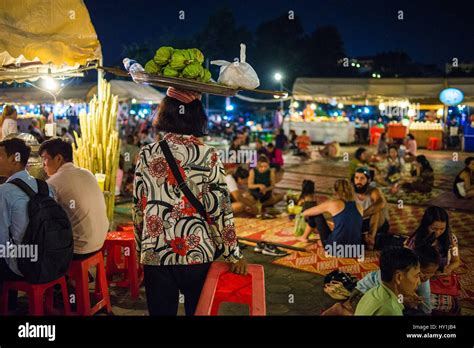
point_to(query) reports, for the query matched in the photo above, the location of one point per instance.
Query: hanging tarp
(374, 90)
(81, 93)
(45, 36)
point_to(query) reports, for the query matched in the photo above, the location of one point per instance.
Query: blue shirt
(14, 212)
(373, 279)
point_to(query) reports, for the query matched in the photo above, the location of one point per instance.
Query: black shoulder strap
(43, 189)
(24, 187)
(181, 183)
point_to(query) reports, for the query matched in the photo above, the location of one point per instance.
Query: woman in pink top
(411, 146)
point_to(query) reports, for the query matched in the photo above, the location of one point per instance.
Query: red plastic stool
(374, 138)
(36, 294)
(118, 262)
(125, 228)
(79, 272)
(223, 286)
(433, 143)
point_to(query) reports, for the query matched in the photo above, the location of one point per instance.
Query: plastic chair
(374, 138)
(36, 294)
(125, 228)
(223, 286)
(433, 143)
(79, 272)
(119, 262)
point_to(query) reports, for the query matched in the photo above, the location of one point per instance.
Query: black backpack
(50, 230)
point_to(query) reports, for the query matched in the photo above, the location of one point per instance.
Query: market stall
(401, 97)
(396, 131)
(341, 131)
(423, 131)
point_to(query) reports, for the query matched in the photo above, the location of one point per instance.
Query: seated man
(375, 225)
(303, 142)
(420, 302)
(14, 155)
(79, 194)
(240, 201)
(400, 275)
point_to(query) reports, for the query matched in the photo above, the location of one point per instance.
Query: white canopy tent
(124, 90)
(372, 91)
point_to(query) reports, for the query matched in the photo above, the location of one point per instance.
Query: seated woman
(241, 202)
(347, 216)
(434, 230)
(331, 149)
(423, 176)
(262, 183)
(308, 200)
(382, 148)
(411, 148)
(464, 182)
(275, 156)
(395, 165)
(293, 138)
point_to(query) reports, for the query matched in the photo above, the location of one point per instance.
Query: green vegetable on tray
(163, 55)
(185, 63)
(152, 68)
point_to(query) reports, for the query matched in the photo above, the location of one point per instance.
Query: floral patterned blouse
(168, 229)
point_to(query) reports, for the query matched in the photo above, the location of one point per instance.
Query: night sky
(432, 32)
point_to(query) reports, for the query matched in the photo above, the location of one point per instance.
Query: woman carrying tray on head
(182, 212)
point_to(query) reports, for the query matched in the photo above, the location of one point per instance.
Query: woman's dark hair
(394, 259)
(428, 255)
(468, 161)
(395, 147)
(270, 145)
(422, 235)
(17, 146)
(411, 136)
(240, 173)
(264, 159)
(424, 162)
(359, 152)
(56, 147)
(308, 188)
(176, 117)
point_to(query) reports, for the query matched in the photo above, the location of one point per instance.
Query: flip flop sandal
(332, 292)
(340, 288)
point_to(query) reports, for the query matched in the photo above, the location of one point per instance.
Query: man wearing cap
(372, 200)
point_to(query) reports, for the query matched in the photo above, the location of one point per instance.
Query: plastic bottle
(132, 66)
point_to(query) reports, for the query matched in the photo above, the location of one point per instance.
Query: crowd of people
(185, 197)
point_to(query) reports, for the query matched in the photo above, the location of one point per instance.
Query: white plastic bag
(237, 74)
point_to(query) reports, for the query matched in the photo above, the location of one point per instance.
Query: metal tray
(192, 85)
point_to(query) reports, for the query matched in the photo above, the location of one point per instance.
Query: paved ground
(288, 292)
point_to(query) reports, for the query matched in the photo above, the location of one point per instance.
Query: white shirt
(231, 183)
(79, 195)
(9, 127)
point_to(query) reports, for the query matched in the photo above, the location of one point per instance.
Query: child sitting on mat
(308, 200)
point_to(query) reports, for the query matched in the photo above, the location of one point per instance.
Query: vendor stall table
(422, 136)
(342, 132)
(396, 131)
